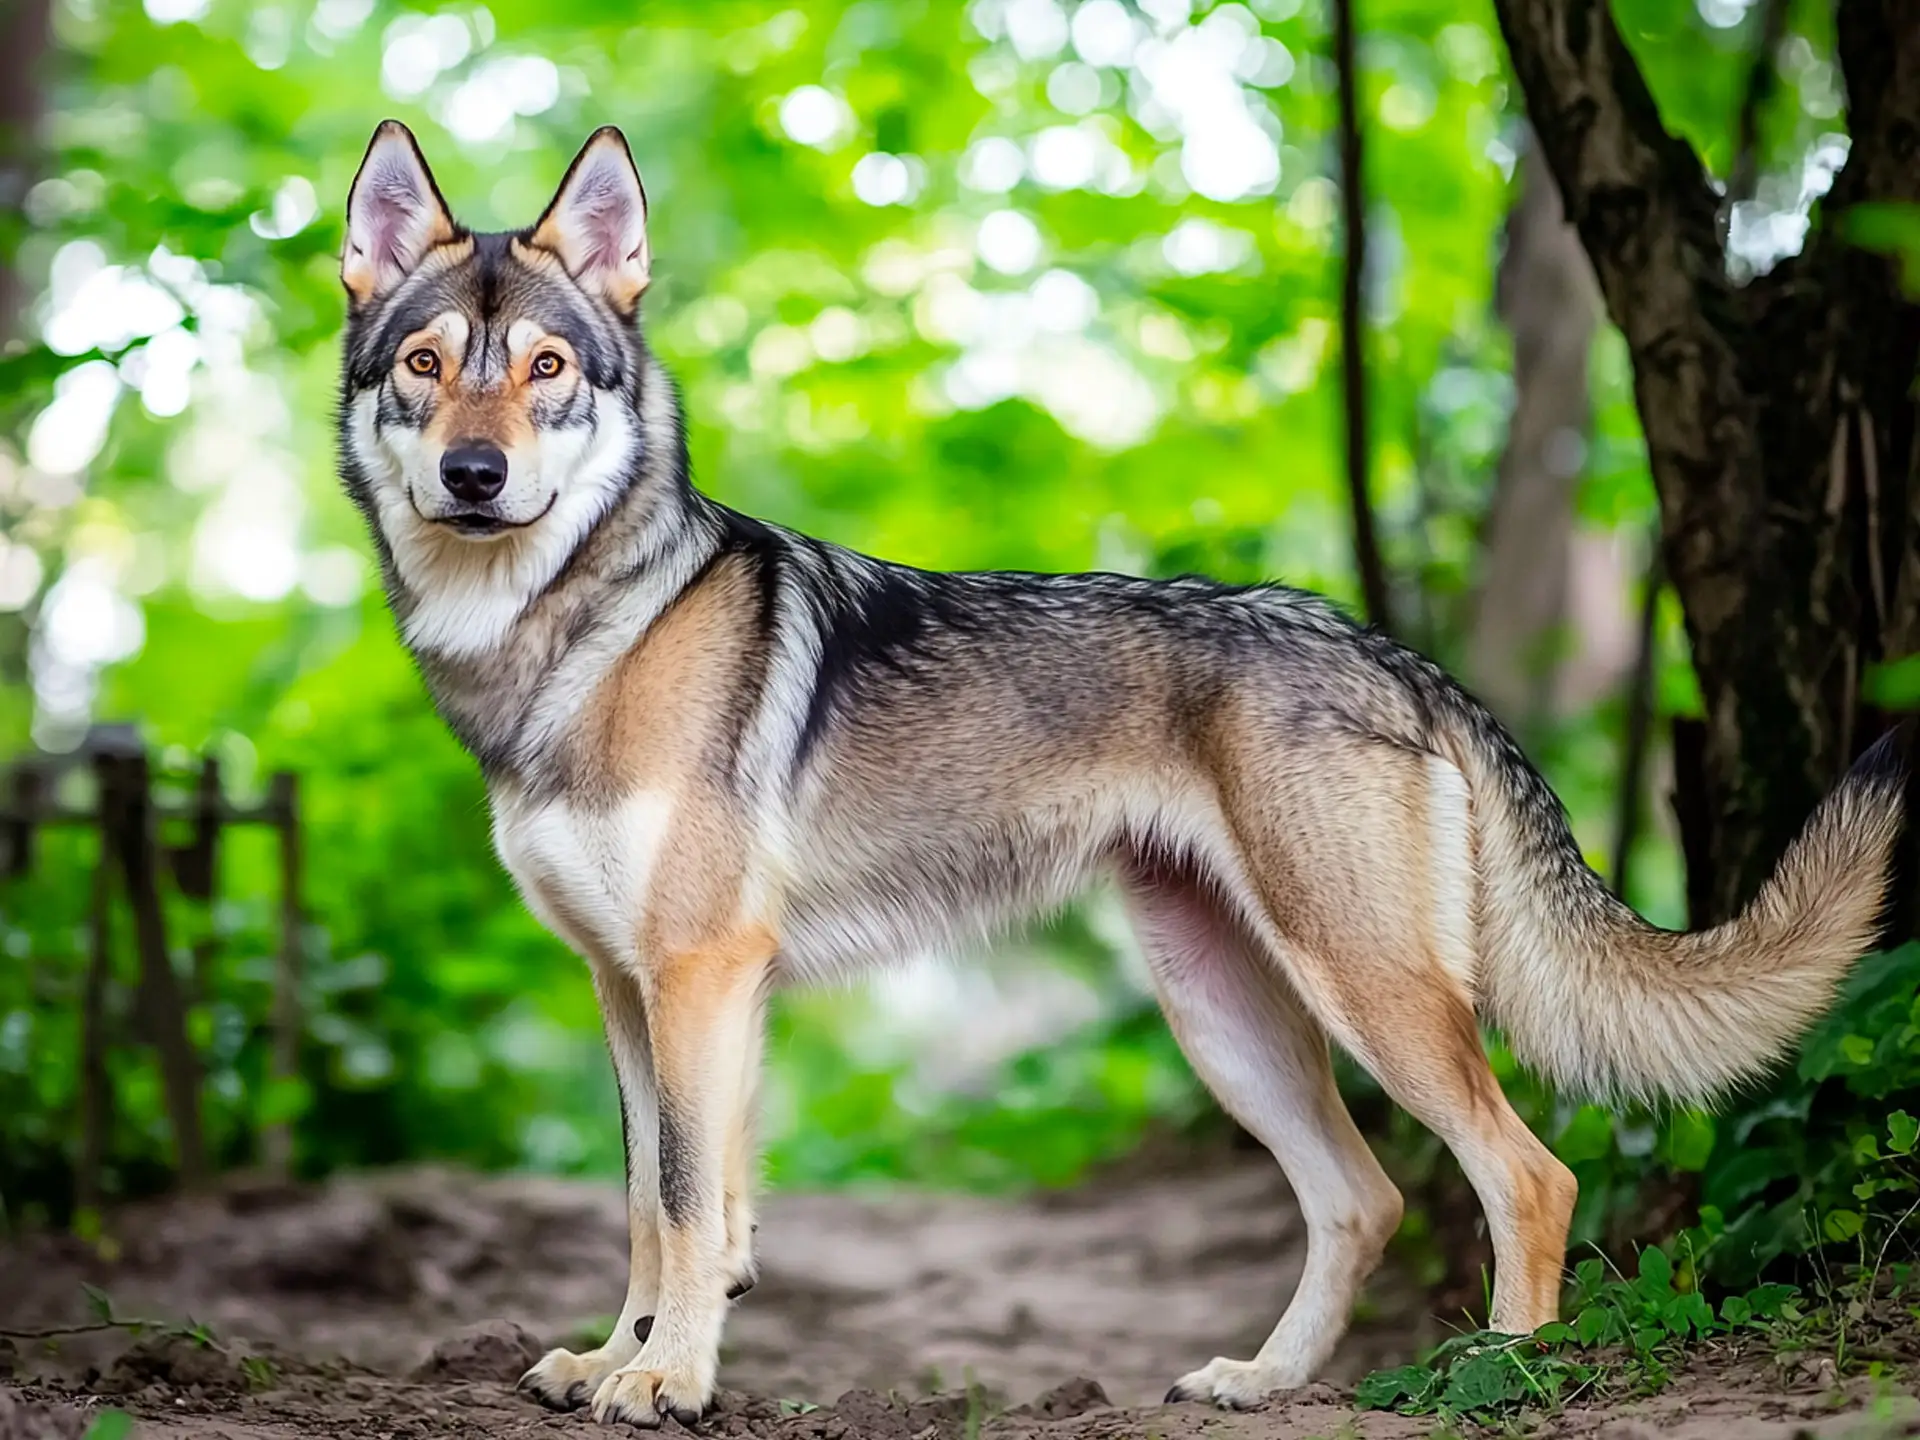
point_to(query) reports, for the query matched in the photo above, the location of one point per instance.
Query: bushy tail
(1592, 995)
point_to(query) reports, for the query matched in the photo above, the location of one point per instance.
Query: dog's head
(492, 390)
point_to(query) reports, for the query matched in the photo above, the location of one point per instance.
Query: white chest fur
(584, 872)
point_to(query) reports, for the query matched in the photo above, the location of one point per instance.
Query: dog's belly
(866, 921)
(878, 888)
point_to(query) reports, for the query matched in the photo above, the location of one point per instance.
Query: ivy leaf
(1656, 1273)
(1841, 1224)
(1689, 1140)
(1766, 1301)
(1592, 1324)
(1588, 1136)
(1902, 1132)
(1384, 1389)
(1589, 1275)
(1485, 1382)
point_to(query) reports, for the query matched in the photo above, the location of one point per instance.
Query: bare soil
(405, 1305)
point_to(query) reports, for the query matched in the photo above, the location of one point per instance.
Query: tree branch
(1762, 77)
(1638, 195)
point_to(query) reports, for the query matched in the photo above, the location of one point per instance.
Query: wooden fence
(133, 850)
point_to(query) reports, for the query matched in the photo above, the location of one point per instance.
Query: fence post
(160, 1002)
(283, 801)
(96, 1092)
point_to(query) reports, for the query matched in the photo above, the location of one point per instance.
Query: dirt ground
(404, 1305)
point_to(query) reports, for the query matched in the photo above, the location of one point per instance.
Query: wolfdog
(721, 755)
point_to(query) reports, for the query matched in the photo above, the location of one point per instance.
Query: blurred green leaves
(1891, 229)
(957, 284)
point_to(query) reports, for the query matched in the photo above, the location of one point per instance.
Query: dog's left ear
(597, 223)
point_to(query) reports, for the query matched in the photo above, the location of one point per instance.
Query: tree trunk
(24, 34)
(25, 37)
(1353, 324)
(1546, 297)
(1779, 420)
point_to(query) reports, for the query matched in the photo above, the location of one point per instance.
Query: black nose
(474, 472)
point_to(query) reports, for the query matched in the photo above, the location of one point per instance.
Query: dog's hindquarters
(1359, 866)
(1400, 881)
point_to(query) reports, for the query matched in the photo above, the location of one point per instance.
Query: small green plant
(109, 1425)
(100, 1305)
(1624, 1337)
(976, 1407)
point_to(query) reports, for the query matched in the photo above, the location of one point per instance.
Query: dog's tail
(1608, 1005)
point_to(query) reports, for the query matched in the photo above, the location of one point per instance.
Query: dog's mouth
(479, 524)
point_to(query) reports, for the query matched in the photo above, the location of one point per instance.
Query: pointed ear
(597, 223)
(394, 215)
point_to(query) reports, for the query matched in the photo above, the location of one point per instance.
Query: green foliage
(822, 343)
(1894, 685)
(832, 353)
(1045, 1118)
(1814, 1155)
(1826, 1151)
(1894, 230)
(1624, 1338)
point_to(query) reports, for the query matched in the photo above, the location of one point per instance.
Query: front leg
(743, 1170)
(704, 1015)
(563, 1380)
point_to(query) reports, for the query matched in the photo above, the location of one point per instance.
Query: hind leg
(1420, 1039)
(1372, 881)
(1266, 1061)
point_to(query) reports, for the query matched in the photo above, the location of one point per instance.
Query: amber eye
(424, 362)
(546, 365)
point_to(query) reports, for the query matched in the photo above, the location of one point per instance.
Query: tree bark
(1779, 424)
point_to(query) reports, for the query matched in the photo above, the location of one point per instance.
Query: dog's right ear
(394, 215)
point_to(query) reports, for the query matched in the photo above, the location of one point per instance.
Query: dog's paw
(1229, 1384)
(563, 1380)
(644, 1397)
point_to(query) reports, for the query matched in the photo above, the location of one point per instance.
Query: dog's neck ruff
(514, 635)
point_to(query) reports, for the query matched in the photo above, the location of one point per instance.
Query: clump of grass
(1624, 1339)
